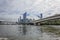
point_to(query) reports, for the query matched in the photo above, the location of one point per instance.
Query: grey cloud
(14, 8)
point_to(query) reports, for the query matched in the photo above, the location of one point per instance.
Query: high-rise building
(41, 15)
(19, 19)
(24, 17)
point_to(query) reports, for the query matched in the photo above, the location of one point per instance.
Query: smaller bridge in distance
(7, 22)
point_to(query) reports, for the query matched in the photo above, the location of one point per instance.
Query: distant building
(41, 15)
(25, 19)
(25, 15)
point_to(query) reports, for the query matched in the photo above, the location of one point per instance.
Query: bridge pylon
(36, 24)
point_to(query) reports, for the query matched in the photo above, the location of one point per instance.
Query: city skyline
(10, 10)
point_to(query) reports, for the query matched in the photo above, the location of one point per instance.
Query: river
(26, 32)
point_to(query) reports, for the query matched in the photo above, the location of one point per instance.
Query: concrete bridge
(6, 22)
(52, 20)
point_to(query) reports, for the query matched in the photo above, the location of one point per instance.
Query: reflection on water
(26, 32)
(24, 29)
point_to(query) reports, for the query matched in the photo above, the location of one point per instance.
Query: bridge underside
(49, 22)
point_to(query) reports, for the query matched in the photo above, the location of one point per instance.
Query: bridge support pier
(37, 24)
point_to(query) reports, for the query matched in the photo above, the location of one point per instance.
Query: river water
(25, 32)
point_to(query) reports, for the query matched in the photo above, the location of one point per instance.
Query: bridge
(6, 22)
(52, 20)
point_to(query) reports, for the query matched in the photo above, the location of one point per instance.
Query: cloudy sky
(10, 10)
